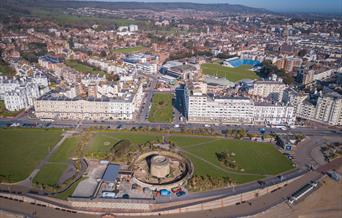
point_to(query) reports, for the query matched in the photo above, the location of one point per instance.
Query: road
(307, 131)
(148, 98)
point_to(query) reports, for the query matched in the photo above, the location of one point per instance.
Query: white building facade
(19, 93)
(268, 89)
(327, 110)
(62, 107)
(22, 97)
(203, 108)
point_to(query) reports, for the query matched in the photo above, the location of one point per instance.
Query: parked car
(176, 189)
(165, 193)
(181, 193)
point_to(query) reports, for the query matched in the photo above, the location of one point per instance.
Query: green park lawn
(21, 150)
(50, 174)
(161, 110)
(257, 160)
(231, 74)
(102, 142)
(66, 150)
(58, 163)
(69, 192)
(129, 50)
(61, 18)
(83, 68)
(6, 69)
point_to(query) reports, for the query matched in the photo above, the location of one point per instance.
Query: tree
(71, 43)
(113, 77)
(302, 53)
(103, 54)
(224, 56)
(241, 133)
(269, 69)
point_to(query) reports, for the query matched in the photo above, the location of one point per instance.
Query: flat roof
(111, 173)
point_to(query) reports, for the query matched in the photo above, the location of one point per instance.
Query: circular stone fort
(161, 170)
(160, 166)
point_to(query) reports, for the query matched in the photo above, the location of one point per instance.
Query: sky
(323, 6)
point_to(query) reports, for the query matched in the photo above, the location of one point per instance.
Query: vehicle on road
(280, 127)
(15, 124)
(181, 193)
(176, 189)
(165, 193)
(262, 130)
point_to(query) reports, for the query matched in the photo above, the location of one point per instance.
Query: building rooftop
(111, 173)
(53, 96)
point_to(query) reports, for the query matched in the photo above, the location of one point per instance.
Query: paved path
(308, 152)
(28, 181)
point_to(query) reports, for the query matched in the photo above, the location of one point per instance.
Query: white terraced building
(21, 97)
(273, 114)
(327, 110)
(268, 89)
(19, 93)
(7, 85)
(205, 108)
(61, 107)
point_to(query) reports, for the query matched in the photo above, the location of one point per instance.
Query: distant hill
(20, 5)
(229, 8)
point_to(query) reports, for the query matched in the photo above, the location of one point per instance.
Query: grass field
(161, 110)
(102, 142)
(67, 193)
(80, 67)
(64, 19)
(129, 50)
(232, 74)
(6, 70)
(58, 163)
(256, 159)
(66, 150)
(22, 150)
(50, 174)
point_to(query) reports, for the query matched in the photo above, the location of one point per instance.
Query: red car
(176, 189)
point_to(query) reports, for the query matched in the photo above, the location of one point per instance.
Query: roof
(218, 81)
(111, 173)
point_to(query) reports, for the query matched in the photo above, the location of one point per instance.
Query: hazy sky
(326, 6)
